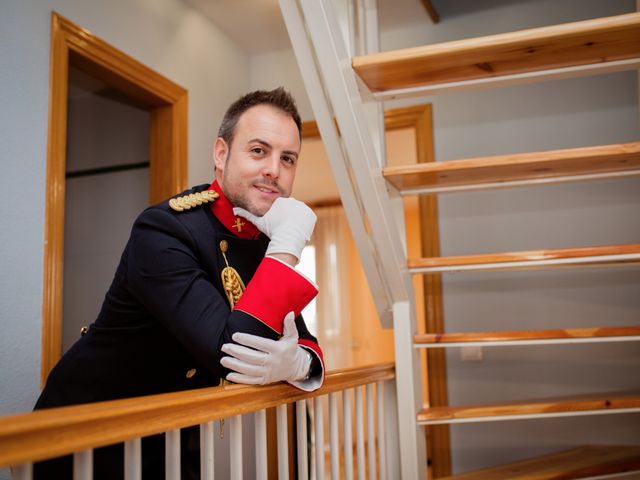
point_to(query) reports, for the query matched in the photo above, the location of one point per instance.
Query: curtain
(331, 239)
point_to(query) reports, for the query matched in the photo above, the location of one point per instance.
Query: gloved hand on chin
(288, 223)
(259, 361)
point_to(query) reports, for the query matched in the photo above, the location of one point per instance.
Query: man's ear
(220, 153)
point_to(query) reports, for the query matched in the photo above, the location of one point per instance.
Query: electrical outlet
(471, 354)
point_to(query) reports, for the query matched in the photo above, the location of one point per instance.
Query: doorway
(78, 54)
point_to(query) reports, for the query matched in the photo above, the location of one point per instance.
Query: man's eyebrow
(268, 145)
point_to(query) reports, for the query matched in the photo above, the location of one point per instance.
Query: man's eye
(258, 150)
(289, 160)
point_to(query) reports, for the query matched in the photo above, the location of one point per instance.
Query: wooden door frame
(420, 118)
(167, 102)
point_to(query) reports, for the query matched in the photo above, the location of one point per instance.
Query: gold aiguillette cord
(233, 288)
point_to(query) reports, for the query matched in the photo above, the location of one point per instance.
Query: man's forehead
(266, 121)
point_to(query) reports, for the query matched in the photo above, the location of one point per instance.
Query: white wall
(559, 114)
(163, 34)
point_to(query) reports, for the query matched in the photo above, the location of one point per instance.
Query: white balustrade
(83, 465)
(260, 419)
(302, 439)
(370, 439)
(318, 424)
(133, 459)
(206, 451)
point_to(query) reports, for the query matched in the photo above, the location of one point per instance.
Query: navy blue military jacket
(165, 316)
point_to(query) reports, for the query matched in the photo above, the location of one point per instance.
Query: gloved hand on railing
(288, 223)
(267, 361)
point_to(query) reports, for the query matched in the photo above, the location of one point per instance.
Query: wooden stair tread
(524, 335)
(570, 44)
(581, 403)
(455, 174)
(600, 255)
(581, 462)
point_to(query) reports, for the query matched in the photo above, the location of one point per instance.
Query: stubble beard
(239, 197)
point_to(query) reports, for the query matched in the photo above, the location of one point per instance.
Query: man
(178, 301)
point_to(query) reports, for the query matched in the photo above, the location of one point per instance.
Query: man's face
(260, 164)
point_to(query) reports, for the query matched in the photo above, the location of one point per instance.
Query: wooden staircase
(573, 164)
(370, 193)
(558, 51)
(584, 462)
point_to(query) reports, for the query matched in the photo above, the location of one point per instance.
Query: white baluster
(172, 454)
(22, 472)
(382, 458)
(283, 445)
(132, 459)
(359, 434)
(301, 436)
(334, 437)
(260, 420)
(348, 437)
(235, 447)
(371, 434)
(318, 423)
(206, 451)
(83, 465)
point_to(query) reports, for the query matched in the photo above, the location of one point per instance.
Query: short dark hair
(278, 98)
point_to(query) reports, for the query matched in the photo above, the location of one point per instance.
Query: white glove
(288, 223)
(267, 360)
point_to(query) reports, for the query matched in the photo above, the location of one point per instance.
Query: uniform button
(191, 373)
(83, 330)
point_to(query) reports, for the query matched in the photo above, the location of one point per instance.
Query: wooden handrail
(54, 432)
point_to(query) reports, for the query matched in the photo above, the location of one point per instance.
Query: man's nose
(271, 167)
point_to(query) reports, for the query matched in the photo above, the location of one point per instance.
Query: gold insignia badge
(187, 202)
(231, 281)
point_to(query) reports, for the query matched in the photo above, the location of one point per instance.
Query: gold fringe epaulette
(192, 200)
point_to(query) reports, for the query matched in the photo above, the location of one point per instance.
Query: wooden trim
(28, 437)
(405, 117)
(574, 404)
(437, 436)
(582, 462)
(310, 130)
(420, 118)
(431, 11)
(497, 170)
(595, 41)
(336, 202)
(523, 335)
(598, 255)
(75, 46)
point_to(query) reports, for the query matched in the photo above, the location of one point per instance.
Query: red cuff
(312, 346)
(275, 290)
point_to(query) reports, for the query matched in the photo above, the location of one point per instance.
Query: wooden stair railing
(528, 337)
(31, 437)
(559, 51)
(583, 462)
(572, 164)
(603, 42)
(598, 403)
(606, 255)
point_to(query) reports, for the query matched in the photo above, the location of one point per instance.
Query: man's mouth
(267, 189)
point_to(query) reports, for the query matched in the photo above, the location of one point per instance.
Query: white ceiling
(257, 25)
